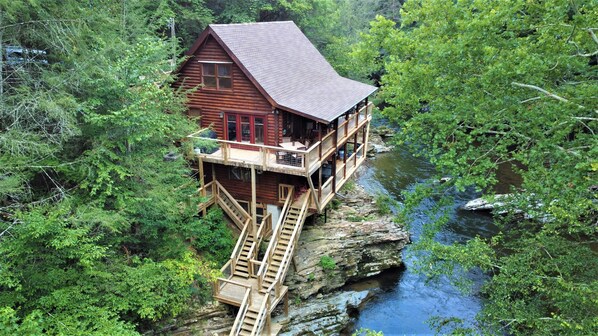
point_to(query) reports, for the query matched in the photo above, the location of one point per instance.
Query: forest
(100, 235)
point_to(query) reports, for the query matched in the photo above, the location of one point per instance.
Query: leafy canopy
(480, 85)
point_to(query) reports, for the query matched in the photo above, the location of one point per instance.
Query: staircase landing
(233, 294)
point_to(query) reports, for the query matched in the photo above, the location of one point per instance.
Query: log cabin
(280, 132)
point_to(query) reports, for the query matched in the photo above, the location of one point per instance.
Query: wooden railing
(208, 195)
(245, 304)
(221, 282)
(285, 263)
(302, 162)
(272, 245)
(263, 317)
(224, 199)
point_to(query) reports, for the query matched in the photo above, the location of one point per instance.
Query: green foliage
(10, 323)
(475, 85)
(98, 233)
(327, 263)
(358, 218)
(349, 186)
(367, 332)
(384, 203)
(334, 204)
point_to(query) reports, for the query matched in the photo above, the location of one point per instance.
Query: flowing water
(405, 301)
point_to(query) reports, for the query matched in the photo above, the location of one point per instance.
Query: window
(245, 128)
(217, 75)
(239, 174)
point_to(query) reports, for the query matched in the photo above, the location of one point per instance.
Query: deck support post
(334, 156)
(202, 182)
(253, 204)
(286, 304)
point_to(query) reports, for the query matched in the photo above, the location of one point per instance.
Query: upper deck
(288, 158)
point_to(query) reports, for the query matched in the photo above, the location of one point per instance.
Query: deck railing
(294, 161)
(221, 282)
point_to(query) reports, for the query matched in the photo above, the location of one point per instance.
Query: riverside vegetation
(99, 235)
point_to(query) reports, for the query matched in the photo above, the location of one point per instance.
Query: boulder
(486, 204)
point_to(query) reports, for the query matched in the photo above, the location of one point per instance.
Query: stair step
(248, 328)
(241, 273)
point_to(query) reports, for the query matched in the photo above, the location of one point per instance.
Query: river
(404, 300)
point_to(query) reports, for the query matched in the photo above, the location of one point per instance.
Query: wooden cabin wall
(267, 184)
(209, 103)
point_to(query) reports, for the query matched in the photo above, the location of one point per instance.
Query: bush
(384, 204)
(349, 186)
(327, 263)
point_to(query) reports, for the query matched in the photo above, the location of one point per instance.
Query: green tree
(98, 233)
(479, 84)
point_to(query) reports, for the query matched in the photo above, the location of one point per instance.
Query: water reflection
(411, 300)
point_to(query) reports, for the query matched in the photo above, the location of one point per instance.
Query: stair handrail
(234, 257)
(233, 201)
(265, 225)
(249, 257)
(270, 249)
(236, 329)
(284, 264)
(260, 318)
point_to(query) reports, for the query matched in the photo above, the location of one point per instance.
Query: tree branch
(549, 94)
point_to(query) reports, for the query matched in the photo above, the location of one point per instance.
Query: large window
(217, 75)
(245, 128)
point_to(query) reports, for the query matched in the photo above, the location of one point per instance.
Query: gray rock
(322, 316)
(361, 243)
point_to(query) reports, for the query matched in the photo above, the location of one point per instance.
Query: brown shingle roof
(289, 69)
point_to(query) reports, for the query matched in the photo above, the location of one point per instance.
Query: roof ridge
(249, 23)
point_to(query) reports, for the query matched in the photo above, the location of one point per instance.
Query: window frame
(252, 132)
(216, 76)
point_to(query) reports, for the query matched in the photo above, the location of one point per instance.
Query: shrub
(327, 263)
(384, 203)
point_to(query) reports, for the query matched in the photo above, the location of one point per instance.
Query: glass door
(245, 128)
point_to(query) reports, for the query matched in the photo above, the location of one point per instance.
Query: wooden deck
(287, 160)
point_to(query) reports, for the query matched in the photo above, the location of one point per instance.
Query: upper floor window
(217, 75)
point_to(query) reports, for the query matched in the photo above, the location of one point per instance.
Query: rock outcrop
(325, 315)
(360, 241)
(376, 144)
(210, 320)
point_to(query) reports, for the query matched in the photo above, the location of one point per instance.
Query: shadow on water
(405, 301)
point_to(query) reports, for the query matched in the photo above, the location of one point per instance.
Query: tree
(98, 233)
(479, 84)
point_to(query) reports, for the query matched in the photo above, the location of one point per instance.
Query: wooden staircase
(254, 313)
(292, 221)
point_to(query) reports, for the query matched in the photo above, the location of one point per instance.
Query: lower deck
(270, 187)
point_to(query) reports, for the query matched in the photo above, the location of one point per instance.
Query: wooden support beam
(367, 137)
(320, 184)
(253, 204)
(313, 192)
(286, 303)
(202, 182)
